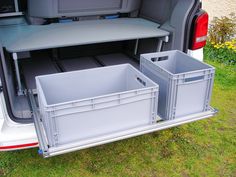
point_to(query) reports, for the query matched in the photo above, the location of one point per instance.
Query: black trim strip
(6, 94)
(189, 25)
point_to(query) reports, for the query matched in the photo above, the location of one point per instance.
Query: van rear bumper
(15, 136)
(198, 54)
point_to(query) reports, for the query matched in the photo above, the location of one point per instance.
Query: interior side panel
(17, 106)
(172, 15)
(157, 10)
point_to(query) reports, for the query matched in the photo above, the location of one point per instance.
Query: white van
(51, 37)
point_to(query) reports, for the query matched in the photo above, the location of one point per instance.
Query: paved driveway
(218, 8)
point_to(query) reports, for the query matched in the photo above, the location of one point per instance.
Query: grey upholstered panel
(78, 8)
(88, 5)
(157, 10)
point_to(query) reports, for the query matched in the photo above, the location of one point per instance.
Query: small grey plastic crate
(86, 104)
(185, 83)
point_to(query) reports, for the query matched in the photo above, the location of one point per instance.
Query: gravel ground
(218, 8)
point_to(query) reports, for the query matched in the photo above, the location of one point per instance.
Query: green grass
(203, 148)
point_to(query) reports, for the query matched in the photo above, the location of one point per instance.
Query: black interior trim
(189, 25)
(6, 94)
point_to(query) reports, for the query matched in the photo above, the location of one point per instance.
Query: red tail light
(200, 31)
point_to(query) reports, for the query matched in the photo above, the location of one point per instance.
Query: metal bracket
(160, 42)
(16, 5)
(55, 138)
(20, 88)
(136, 47)
(43, 143)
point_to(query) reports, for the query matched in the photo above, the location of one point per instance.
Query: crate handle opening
(155, 59)
(192, 79)
(141, 81)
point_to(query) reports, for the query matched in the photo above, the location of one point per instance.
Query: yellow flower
(233, 42)
(227, 43)
(230, 47)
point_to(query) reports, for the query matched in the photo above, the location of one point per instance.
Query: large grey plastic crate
(185, 83)
(90, 103)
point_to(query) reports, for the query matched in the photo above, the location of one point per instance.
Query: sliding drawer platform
(20, 38)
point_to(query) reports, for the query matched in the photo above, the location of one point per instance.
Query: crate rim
(175, 51)
(174, 76)
(154, 88)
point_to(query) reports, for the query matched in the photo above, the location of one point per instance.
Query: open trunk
(170, 16)
(97, 40)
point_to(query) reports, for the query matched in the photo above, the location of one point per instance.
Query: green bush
(222, 53)
(221, 46)
(222, 29)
